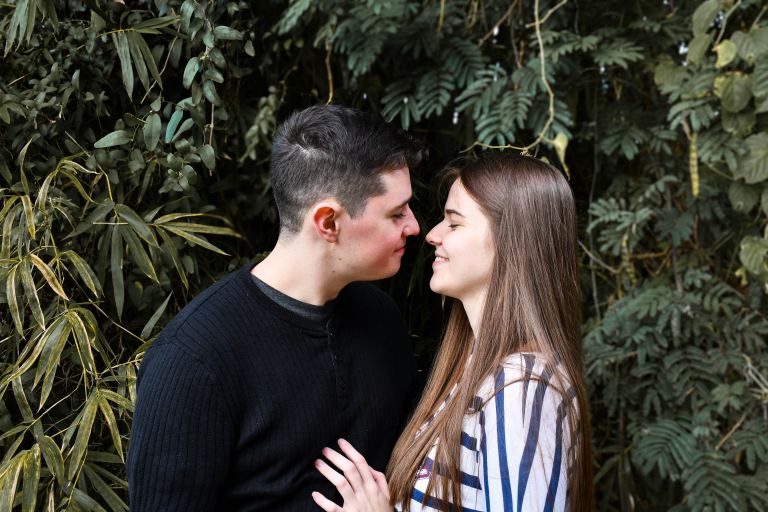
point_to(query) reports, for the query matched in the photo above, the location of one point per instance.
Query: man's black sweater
(238, 395)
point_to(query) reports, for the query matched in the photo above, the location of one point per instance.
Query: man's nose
(412, 227)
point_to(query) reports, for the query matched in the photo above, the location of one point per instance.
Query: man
(248, 383)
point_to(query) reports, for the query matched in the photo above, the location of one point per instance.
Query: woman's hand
(363, 488)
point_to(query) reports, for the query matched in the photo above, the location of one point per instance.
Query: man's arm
(181, 437)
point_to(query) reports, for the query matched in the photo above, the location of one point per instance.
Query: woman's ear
(325, 220)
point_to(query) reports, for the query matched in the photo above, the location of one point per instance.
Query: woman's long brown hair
(535, 307)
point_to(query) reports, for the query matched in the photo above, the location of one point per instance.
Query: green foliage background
(134, 144)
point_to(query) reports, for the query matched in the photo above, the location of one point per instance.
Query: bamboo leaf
(202, 228)
(53, 458)
(86, 502)
(31, 479)
(109, 417)
(97, 215)
(10, 482)
(175, 216)
(49, 360)
(202, 242)
(85, 425)
(175, 257)
(119, 400)
(137, 223)
(34, 348)
(13, 300)
(85, 271)
(49, 276)
(29, 215)
(138, 254)
(149, 59)
(116, 269)
(104, 490)
(147, 330)
(138, 58)
(120, 41)
(82, 339)
(114, 138)
(30, 292)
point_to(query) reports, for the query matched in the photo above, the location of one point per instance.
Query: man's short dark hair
(334, 151)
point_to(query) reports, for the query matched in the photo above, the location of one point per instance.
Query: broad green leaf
(698, 47)
(739, 124)
(726, 52)
(704, 15)
(190, 70)
(208, 156)
(751, 45)
(172, 124)
(764, 201)
(227, 34)
(116, 269)
(120, 41)
(186, 125)
(31, 479)
(743, 197)
(753, 253)
(30, 292)
(84, 427)
(202, 242)
(753, 167)
(734, 90)
(760, 80)
(115, 138)
(109, 417)
(669, 75)
(151, 131)
(53, 458)
(48, 274)
(209, 91)
(11, 288)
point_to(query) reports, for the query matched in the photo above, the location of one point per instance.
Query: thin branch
(498, 23)
(549, 13)
(731, 432)
(328, 70)
(598, 260)
(725, 21)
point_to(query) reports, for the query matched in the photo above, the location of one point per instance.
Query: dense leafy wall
(133, 146)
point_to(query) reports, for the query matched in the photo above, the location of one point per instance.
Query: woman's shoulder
(521, 373)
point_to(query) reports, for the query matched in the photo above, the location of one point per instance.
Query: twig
(328, 70)
(441, 18)
(210, 133)
(598, 260)
(730, 432)
(549, 13)
(725, 21)
(498, 23)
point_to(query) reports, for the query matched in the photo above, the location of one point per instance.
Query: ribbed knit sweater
(238, 395)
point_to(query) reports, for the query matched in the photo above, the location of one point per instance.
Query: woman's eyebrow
(451, 211)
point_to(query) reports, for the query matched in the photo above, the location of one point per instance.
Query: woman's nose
(433, 237)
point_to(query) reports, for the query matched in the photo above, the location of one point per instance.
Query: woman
(502, 423)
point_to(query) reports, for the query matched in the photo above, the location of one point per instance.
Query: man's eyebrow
(402, 205)
(450, 211)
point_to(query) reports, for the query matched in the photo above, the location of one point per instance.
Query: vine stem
(550, 94)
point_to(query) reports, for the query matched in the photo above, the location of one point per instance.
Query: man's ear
(325, 220)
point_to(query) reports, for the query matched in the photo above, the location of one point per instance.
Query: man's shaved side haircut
(333, 151)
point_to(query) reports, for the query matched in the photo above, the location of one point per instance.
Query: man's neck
(301, 272)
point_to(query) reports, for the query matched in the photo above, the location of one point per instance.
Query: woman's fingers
(381, 481)
(325, 504)
(337, 479)
(363, 469)
(350, 469)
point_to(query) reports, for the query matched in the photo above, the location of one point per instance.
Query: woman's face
(463, 249)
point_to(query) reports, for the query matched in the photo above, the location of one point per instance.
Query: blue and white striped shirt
(514, 447)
